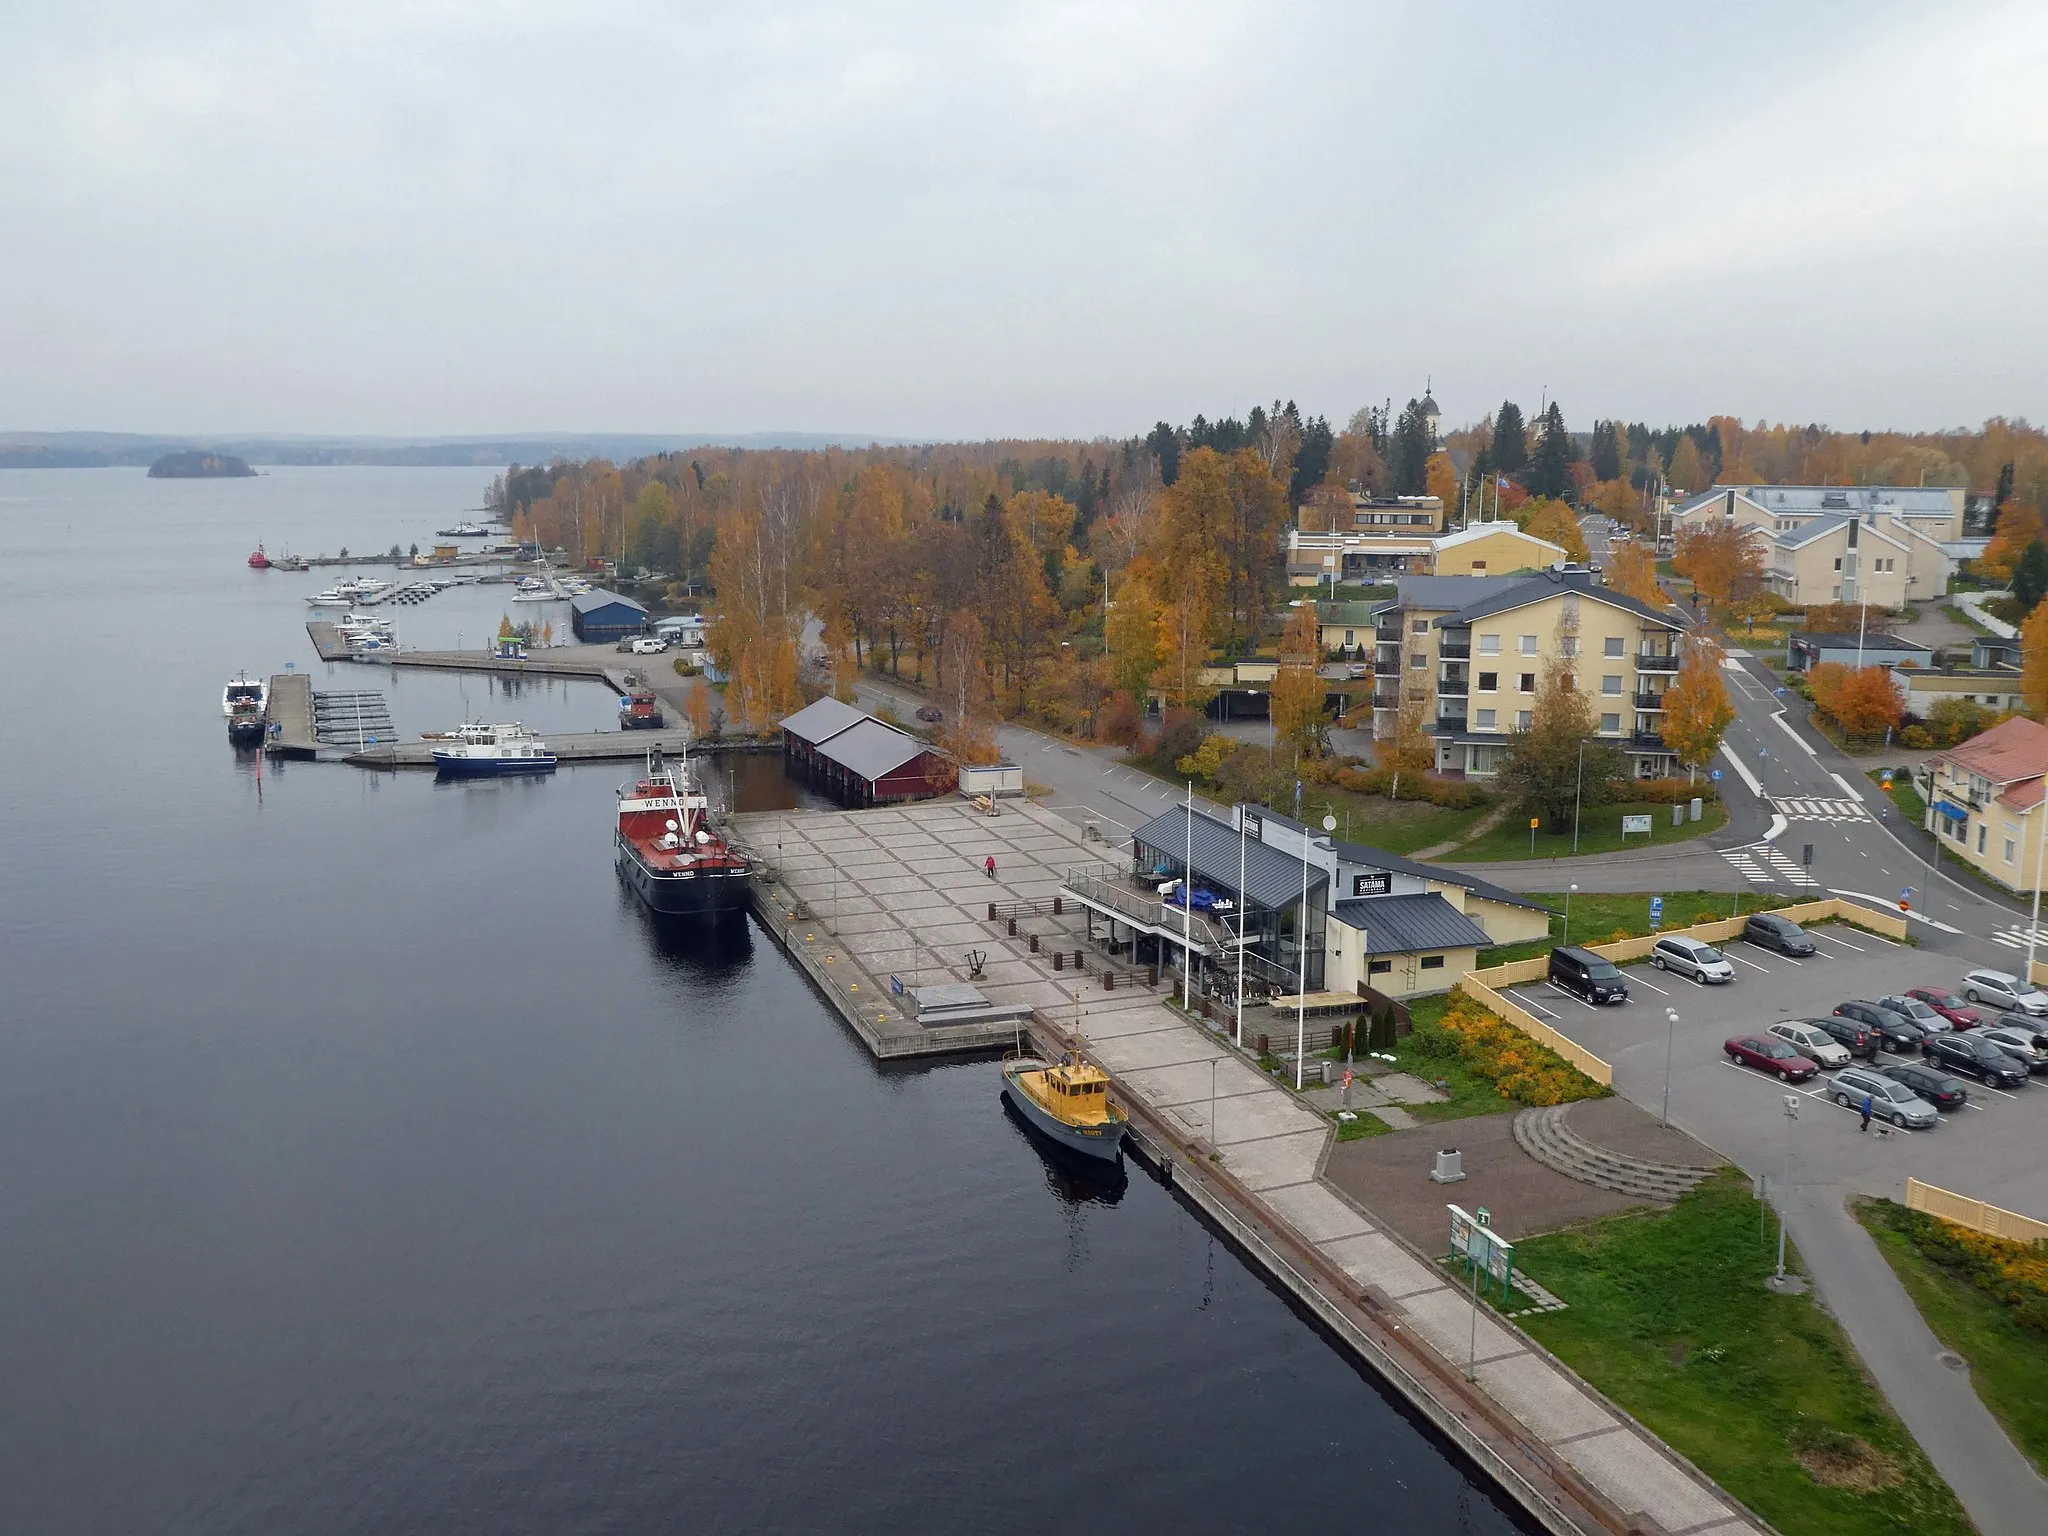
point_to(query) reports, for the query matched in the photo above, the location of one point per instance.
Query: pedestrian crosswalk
(2015, 937)
(1761, 864)
(1804, 809)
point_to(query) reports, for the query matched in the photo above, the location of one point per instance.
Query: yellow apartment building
(1984, 800)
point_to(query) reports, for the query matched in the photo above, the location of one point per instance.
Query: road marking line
(1742, 770)
(1652, 985)
(1836, 938)
(1750, 963)
(1522, 997)
(1847, 788)
(1786, 725)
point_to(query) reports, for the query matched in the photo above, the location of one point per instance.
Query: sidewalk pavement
(1997, 1485)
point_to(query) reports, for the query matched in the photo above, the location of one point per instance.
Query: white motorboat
(479, 750)
(333, 597)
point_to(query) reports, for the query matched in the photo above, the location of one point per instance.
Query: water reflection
(1074, 1179)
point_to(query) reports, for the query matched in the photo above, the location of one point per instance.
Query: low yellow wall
(1974, 1214)
(1539, 1031)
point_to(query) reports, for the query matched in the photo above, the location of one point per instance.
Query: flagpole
(1301, 992)
(1241, 912)
(1187, 908)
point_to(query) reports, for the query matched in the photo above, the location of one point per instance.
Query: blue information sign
(1715, 775)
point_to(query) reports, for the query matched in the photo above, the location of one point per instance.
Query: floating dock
(288, 719)
(591, 746)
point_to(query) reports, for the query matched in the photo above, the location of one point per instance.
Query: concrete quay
(288, 716)
(574, 747)
(902, 891)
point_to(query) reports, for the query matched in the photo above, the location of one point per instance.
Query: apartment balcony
(1454, 650)
(1646, 739)
(1385, 631)
(1387, 698)
(1656, 661)
(1453, 688)
(1650, 702)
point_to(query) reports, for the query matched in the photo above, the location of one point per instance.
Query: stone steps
(1544, 1135)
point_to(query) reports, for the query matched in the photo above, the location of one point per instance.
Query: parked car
(1357, 670)
(2018, 1044)
(1767, 1053)
(1895, 1032)
(1936, 1087)
(1930, 1021)
(2002, 990)
(1767, 930)
(1584, 973)
(930, 714)
(2034, 1029)
(1856, 1039)
(1690, 958)
(649, 645)
(1811, 1041)
(1974, 1056)
(1890, 1100)
(1959, 1014)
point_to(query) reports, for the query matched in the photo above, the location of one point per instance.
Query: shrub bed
(1518, 1067)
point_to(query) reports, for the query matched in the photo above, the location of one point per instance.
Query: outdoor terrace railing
(1655, 661)
(1122, 895)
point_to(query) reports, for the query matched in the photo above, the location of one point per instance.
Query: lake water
(369, 1163)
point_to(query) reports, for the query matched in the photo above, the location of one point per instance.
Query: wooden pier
(585, 747)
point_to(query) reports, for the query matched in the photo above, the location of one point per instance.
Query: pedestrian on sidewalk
(1867, 1107)
(991, 866)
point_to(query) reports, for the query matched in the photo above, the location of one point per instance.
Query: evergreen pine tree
(1409, 451)
(1510, 441)
(1550, 468)
(1606, 455)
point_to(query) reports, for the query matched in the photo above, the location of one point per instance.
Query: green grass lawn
(1367, 1124)
(1669, 1316)
(1431, 1054)
(1598, 917)
(1399, 826)
(2008, 1364)
(1599, 832)
(1904, 797)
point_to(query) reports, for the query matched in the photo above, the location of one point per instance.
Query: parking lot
(1995, 1147)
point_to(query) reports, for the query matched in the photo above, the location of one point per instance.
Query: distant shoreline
(197, 464)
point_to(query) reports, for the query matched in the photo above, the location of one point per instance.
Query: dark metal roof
(1402, 925)
(1271, 878)
(597, 597)
(1534, 589)
(822, 720)
(1379, 858)
(870, 749)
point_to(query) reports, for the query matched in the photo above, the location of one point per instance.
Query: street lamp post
(1568, 913)
(1785, 1182)
(1670, 1030)
(2040, 847)
(1578, 795)
(1242, 911)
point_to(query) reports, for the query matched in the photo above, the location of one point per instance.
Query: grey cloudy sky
(928, 219)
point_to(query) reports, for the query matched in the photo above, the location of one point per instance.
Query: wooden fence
(1977, 1215)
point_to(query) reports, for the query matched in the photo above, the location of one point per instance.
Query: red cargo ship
(668, 852)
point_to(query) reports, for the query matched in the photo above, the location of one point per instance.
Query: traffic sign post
(1715, 775)
(1656, 913)
(1906, 899)
(1532, 837)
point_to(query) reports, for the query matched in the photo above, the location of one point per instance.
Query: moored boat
(668, 851)
(492, 751)
(640, 710)
(259, 561)
(244, 702)
(1067, 1101)
(463, 530)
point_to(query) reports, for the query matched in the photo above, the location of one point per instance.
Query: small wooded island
(197, 464)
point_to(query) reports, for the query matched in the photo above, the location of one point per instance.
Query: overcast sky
(947, 220)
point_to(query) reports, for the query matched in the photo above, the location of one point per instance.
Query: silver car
(2002, 989)
(1889, 1099)
(1929, 1021)
(1689, 957)
(1812, 1042)
(2018, 1044)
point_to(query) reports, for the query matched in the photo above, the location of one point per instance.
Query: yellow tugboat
(1068, 1100)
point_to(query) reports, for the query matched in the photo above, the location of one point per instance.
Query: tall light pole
(1670, 1030)
(1187, 908)
(1301, 986)
(1791, 1116)
(2040, 847)
(1241, 914)
(1568, 913)
(1579, 795)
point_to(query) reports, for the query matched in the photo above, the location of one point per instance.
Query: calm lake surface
(368, 1163)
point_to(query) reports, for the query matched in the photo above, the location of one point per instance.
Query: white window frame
(1489, 645)
(1610, 684)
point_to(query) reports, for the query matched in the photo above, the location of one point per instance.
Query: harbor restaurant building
(1310, 913)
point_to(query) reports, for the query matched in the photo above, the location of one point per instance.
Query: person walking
(1868, 1106)
(991, 866)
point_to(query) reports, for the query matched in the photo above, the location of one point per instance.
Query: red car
(1768, 1055)
(1948, 1005)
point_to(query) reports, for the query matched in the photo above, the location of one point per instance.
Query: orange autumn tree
(2018, 526)
(1862, 701)
(1697, 711)
(1724, 563)
(2034, 663)
(1553, 522)
(1633, 573)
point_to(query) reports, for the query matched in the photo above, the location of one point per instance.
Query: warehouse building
(859, 760)
(599, 617)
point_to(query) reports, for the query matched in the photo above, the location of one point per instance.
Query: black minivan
(1770, 931)
(1585, 974)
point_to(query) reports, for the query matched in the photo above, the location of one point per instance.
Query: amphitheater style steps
(1544, 1135)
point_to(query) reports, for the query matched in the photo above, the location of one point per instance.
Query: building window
(1489, 682)
(1528, 682)
(1610, 683)
(1610, 725)
(1351, 637)
(1417, 661)
(1528, 645)
(1524, 719)
(1489, 645)
(1419, 627)
(1378, 967)
(1486, 719)
(1432, 962)
(1613, 646)
(1569, 679)
(1478, 566)
(2008, 850)
(1981, 831)
(1838, 562)
(1838, 589)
